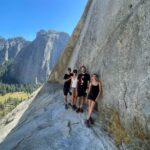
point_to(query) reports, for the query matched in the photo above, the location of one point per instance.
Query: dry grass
(137, 129)
(16, 95)
(135, 139)
(116, 129)
(10, 100)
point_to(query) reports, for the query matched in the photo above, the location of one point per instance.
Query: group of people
(83, 90)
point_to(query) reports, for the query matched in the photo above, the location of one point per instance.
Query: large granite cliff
(112, 39)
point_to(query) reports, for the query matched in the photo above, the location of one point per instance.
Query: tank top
(74, 82)
(94, 90)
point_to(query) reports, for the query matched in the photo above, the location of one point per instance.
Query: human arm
(88, 82)
(71, 81)
(88, 90)
(77, 87)
(66, 79)
(100, 89)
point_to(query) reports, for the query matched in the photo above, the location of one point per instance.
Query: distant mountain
(36, 60)
(2, 43)
(10, 48)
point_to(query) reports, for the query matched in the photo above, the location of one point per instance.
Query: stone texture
(10, 48)
(2, 43)
(113, 40)
(42, 123)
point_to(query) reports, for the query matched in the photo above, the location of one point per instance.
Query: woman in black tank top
(93, 92)
(93, 96)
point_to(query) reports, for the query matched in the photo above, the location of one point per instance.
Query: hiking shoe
(87, 123)
(74, 107)
(91, 120)
(78, 110)
(66, 106)
(81, 110)
(69, 104)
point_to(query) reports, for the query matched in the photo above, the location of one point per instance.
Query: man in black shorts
(83, 84)
(66, 89)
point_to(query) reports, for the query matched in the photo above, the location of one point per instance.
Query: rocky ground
(42, 123)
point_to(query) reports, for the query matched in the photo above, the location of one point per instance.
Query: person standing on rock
(93, 96)
(66, 88)
(83, 84)
(74, 81)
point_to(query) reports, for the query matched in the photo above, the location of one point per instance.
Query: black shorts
(81, 92)
(66, 90)
(92, 97)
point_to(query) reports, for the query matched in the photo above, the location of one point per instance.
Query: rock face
(10, 48)
(112, 39)
(14, 46)
(2, 43)
(3, 56)
(34, 63)
(42, 123)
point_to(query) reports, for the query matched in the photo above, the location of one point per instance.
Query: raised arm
(65, 78)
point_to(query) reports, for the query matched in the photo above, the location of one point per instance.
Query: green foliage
(4, 68)
(10, 88)
(10, 103)
(8, 106)
(8, 85)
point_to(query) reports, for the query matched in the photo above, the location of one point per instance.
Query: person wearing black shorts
(83, 84)
(93, 96)
(66, 88)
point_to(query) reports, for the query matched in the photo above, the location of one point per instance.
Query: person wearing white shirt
(74, 81)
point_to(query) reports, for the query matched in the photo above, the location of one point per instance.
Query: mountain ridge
(36, 58)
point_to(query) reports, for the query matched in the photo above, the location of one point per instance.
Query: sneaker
(87, 123)
(78, 110)
(74, 107)
(66, 106)
(81, 110)
(69, 104)
(91, 120)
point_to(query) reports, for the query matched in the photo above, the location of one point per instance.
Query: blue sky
(26, 17)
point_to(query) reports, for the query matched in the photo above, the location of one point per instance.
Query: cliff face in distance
(10, 48)
(2, 43)
(112, 39)
(34, 62)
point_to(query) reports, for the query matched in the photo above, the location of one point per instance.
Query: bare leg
(70, 92)
(65, 99)
(86, 102)
(91, 108)
(72, 98)
(81, 102)
(75, 97)
(89, 104)
(78, 102)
